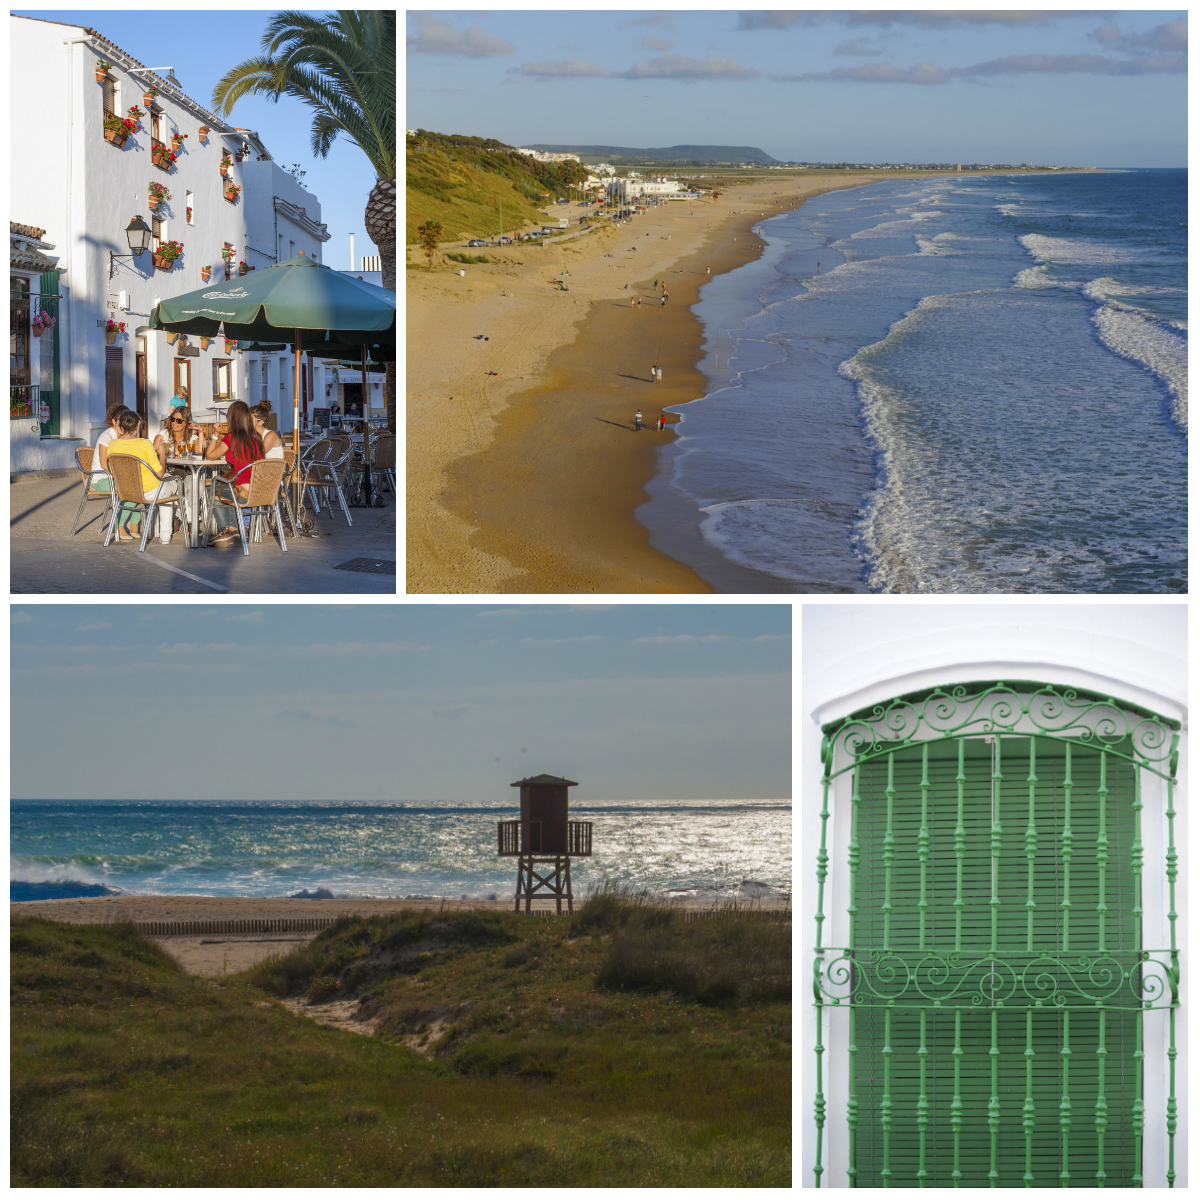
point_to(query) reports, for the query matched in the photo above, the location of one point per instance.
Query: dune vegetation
(624, 1047)
(461, 182)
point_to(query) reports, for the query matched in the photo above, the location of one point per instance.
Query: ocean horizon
(696, 849)
(954, 384)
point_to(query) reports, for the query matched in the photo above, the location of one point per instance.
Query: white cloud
(683, 637)
(20, 616)
(308, 717)
(653, 43)
(591, 637)
(565, 66)
(253, 617)
(440, 37)
(93, 626)
(927, 74)
(683, 66)
(1171, 37)
(781, 19)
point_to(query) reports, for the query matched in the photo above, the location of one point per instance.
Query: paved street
(46, 558)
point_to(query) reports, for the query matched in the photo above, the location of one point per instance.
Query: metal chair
(125, 470)
(320, 451)
(262, 499)
(84, 457)
(291, 458)
(328, 473)
(383, 458)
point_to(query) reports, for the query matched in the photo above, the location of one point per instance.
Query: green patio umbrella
(315, 308)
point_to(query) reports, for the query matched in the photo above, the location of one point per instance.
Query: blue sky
(1082, 88)
(202, 45)
(400, 702)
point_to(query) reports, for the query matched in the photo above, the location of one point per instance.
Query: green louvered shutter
(1048, 902)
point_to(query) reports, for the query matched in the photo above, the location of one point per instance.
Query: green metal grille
(994, 979)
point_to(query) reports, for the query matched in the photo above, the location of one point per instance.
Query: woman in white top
(103, 483)
(272, 442)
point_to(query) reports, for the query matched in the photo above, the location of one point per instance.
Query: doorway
(114, 375)
(140, 385)
(183, 379)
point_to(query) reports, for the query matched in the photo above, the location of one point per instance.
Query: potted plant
(231, 193)
(102, 69)
(205, 272)
(167, 253)
(41, 322)
(163, 157)
(148, 97)
(227, 253)
(159, 195)
(243, 269)
(189, 216)
(112, 329)
(203, 132)
(117, 129)
(177, 139)
(225, 161)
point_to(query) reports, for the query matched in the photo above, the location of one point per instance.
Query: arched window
(998, 966)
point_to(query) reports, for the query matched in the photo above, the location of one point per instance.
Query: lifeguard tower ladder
(546, 839)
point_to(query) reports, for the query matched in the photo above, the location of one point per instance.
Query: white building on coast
(633, 187)
(74, 192)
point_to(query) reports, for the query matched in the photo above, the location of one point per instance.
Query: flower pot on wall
(205, 272)
(231, 195)
(203, 132)
(101, 76)
(163, 264)
(37, 330)
(110, 336)
(118, 137)
(225, 172)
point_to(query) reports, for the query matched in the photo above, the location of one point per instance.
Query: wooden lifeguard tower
(544, 838)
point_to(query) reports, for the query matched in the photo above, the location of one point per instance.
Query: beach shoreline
(108, 910)
(527, 481)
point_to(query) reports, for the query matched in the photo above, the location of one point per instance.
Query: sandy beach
(222, 953)
(524, 468)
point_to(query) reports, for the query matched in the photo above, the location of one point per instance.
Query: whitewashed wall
(83, 191)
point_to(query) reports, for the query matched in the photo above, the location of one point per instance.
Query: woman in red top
(239, 447)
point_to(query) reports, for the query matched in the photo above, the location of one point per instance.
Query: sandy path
(549, 507)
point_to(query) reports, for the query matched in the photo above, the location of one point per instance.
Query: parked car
(506, 241)
(477, 242)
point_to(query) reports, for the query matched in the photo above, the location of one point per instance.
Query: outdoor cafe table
(195, 464)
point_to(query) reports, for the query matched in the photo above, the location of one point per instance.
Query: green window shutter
(50, 392)
(989, 957)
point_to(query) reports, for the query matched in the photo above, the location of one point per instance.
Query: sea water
(707, 849)
(951, 384)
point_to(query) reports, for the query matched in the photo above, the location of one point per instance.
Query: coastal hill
(463, 181)
(680, 156)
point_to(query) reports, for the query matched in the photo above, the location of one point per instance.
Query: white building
(83, 196)
(633, 187)
(967, 769)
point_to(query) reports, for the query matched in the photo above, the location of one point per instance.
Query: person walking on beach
(662, 422)
(654, 374)
(637, 421)
(663, 302)
(708, 270)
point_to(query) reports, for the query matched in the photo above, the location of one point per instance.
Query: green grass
(461, 182)
(468, 258)
(552, 1056)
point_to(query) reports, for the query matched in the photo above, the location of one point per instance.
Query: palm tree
(343, 66)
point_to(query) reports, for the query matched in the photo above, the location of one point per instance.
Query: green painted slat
(958, 870)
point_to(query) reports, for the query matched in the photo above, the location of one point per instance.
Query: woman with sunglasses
(178, 438)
